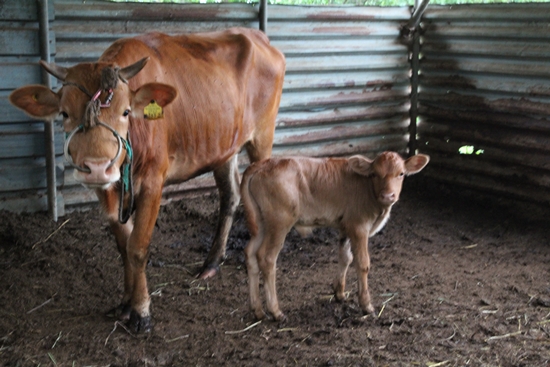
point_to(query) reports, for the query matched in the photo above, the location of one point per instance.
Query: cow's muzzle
(87, 169)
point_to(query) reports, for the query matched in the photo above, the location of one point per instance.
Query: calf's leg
(227, 181)
(251, 253)
(267, 256)
(344, 260)
(360, 250)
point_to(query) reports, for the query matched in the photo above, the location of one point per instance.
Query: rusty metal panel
(85, 29)
(484, 100)
(346, 88)
(22, 148)
(347, 83)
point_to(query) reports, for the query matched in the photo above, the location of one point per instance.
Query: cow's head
(387, 172)
(96, 105)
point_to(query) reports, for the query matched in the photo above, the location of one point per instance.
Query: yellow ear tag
(153, 111)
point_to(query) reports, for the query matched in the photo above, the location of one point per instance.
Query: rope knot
(92, 112)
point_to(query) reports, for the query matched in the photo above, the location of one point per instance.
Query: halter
(92, 112)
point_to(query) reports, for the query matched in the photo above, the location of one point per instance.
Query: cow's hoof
(122, 312)
(208, 271)
(139, 324)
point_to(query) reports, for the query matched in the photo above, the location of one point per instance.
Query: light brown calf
(354, 195)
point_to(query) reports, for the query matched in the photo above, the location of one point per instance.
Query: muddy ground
(458, 278)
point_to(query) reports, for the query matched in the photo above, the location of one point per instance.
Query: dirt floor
(458, 278)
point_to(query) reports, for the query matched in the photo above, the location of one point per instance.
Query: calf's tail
(251, 209)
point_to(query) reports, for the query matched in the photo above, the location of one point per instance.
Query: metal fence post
(263, 16)
(49, 135)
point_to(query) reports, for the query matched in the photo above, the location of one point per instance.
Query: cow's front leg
(110, 202)
(227, 181)
(137, 249)
(122, 235)
(360, 250)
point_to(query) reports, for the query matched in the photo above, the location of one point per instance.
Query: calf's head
(97, 107)
(387, 172)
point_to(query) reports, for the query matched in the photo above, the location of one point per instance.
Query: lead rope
(126, 183)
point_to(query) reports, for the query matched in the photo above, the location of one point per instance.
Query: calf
(354, 195)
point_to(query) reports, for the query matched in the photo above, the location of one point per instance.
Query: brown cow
(354, 195)
(220, 91)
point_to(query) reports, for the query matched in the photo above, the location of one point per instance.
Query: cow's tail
(251, 208)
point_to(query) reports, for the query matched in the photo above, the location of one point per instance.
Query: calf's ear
(360, 165)
(36, 101)
(416, 163)
(162, 94)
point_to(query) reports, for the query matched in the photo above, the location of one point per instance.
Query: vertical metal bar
(263, 16)
(413, 113)
(49, 135)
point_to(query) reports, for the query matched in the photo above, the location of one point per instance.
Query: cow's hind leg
(227, 181)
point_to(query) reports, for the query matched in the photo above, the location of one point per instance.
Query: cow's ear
(162, 94)
(360, 165)
(416, 163)
(36, 101)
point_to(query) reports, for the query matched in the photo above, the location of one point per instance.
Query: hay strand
(243, 330)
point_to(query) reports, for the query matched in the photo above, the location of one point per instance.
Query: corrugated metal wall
(346, 89)
(84, 30)
(485, 82)
(22, 163)
(347, 84)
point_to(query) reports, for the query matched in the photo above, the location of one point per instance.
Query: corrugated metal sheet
(346, 87)
(22, 164)
(84, 30)
(485, 82)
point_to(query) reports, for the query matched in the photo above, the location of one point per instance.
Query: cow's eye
(402, 174)
(64, 114)
(126, 113)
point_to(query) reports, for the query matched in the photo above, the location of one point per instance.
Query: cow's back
(229, 85)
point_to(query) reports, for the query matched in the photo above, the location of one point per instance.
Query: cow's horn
(58, 71)
(130, 71)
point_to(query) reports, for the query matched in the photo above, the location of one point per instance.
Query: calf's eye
(126, 113)
(64, 114)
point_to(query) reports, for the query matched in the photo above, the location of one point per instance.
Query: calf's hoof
(139, 324)
(259, 314)
(369, 311)
(280, 317)
(340, 297)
